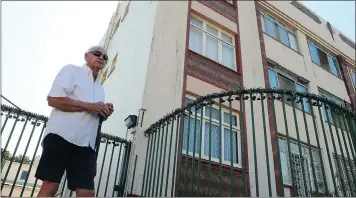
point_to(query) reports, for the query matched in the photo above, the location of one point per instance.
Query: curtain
(212, 48)
(215, 140)
(195, 40)
(228, 56)
(227, 146)
(191, 135)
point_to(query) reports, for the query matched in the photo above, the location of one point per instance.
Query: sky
(39, 38)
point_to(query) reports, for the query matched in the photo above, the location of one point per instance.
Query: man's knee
(48, 189)
(85, 193)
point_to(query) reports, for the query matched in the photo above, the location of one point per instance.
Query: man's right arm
(62, 86)
(69, 105)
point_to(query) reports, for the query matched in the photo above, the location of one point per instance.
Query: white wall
(164, 81)
(132, 41)
(125, 86)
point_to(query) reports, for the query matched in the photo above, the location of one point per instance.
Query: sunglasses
(99, 53)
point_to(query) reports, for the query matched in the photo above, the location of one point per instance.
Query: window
(278, 31)
(211, 42)
(333, 116)
(353, 76)
(300, 160)
(281, 80)
(113, 63)
(324, 60)
(116, 26)
(349, 187)
(218, 135)
(126, 11)
(103, 76)
(24, 175)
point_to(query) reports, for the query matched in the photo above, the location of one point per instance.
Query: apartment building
(164, 55)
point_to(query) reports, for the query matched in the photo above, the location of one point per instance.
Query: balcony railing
(21, 135)
(253, 142)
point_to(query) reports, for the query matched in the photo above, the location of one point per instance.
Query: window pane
(212, 48)
(226, 38)
(263, 23)
(191, 134)
(195, 40)
(227, 119)
(211, 30)
(314, 54)
(285, 83)
(270, 28)
(303, 89)
(293, 41)
(333, 66)
(228, 56)
(215, 114)
(353, 76)
(215, 140)
(24, 175)
(227, 147)
(272, 78)
(324, 63)
(283, 35)
(192, 109)
(196, 22)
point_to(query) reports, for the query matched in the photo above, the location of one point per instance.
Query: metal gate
(21, 135)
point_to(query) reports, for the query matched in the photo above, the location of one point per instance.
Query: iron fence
(18, 170)
(253, 142)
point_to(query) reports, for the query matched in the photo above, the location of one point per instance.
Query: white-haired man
(77, 98)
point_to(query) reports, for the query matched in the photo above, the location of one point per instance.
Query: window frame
(235, 129)
(278, 23)
(219, 39)
(305, 154)
(327, 54)
(22, 174)
(336, 99)
(292, 78)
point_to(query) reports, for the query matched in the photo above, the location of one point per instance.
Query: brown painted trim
(239, 66)
(199, 78)
(347, 79)
(176, 189)
(274, 136)
(216, 63)
(216, 10)
(214, 165)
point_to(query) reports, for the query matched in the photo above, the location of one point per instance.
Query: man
(77, 98)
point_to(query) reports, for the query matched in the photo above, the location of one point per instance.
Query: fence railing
(20, 154)
(253, 142)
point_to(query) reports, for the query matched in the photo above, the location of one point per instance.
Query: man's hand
(101, 108)
(111, 108)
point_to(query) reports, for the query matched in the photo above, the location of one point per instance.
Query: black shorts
(60, 155)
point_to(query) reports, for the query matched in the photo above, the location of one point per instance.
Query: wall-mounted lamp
(131, 121)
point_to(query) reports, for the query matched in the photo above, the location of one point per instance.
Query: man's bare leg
(48, 189)
(84, 192)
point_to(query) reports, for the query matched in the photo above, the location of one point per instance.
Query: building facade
(163, 55)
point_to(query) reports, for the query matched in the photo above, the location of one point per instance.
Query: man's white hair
(93, 48)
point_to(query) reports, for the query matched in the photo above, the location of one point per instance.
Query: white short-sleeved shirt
(79, 128)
